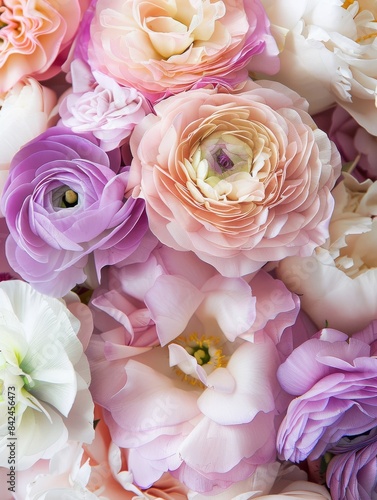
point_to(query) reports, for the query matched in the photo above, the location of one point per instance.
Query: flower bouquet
(188, 259)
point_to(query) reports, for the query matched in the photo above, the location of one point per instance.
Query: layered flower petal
(239, 179)
(162, 48)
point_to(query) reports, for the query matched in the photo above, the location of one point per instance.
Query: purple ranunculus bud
(353, 474)
(334, 381)
(65, 206)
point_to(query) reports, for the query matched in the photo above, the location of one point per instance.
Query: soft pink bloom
(338, 283)
(98, 104)
(205, 388)
(34, 36)
(26, 111)
(240, 179)
(162, 48)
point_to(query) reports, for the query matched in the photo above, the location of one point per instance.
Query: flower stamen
(70, 199)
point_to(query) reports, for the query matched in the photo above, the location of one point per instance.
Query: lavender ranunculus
(353, 474)
(334, 379)
(65, 207)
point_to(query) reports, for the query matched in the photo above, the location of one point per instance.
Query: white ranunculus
(26, 111)
(338, 283)
(329, 53)
(44, 376)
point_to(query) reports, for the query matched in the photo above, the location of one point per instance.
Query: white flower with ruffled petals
(328, 53)
(44, 376)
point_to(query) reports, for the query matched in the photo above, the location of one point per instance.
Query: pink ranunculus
(34, 35)
(163, 48)
(202, 387)
(96, 103)
(26, 111)
(240, 179)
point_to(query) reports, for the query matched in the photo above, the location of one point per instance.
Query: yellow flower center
(70, 198)
(206, 350)
(366, 24)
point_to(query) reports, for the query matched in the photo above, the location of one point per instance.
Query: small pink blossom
(97, 104)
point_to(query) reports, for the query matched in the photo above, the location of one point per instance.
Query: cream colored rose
(338, 284)
(328, 53)
(26, 111)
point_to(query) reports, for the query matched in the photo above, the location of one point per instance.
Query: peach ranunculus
(337, 284)
(26, 111)
(165, 47)
(240, 179)
(328, 53)
(34, 34)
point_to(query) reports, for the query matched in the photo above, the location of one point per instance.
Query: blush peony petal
(172, 294)
(230, 302)
(253, 386)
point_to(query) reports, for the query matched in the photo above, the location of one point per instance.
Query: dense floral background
(188, 249)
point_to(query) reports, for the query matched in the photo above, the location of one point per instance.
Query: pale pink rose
(338, 283)
(98, 104)
(26, 111)
(201, 388)
(162, 48)
(238, 178)
(328, 53)
(34, 35)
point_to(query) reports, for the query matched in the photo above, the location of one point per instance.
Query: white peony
(329, 53)
(44, 376)
(338, 284)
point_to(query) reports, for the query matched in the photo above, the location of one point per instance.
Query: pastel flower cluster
(188, 270)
